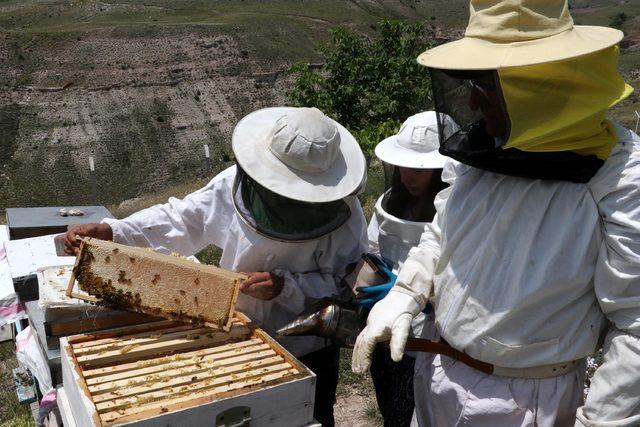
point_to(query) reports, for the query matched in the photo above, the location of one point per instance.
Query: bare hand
(99, 231)
(262, 285)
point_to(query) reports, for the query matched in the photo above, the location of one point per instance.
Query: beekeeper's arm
(335, 252)
(184, 226)
(614, 395)
(390, 318)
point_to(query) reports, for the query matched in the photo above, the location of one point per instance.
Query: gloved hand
(389, 319)
(375, 293)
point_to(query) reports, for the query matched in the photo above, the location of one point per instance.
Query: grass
(31, 15)
(375, 187)
(600, 12)
(12, 414)
(349, 379)
(373, 413)
(276, 30)
(130, 206)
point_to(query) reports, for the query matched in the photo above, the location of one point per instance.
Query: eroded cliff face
(142, 86)
(141, 103)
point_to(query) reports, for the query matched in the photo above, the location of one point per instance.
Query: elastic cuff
(580, 417)
(118, 236)
(419, 299)
(414, 306)
(416, 276)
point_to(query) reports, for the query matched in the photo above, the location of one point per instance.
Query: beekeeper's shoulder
(620, 173)
(452, 170)
(223, 180)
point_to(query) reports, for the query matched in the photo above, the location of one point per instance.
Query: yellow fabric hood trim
(561, 106)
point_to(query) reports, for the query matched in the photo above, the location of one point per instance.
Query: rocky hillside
(142, 86)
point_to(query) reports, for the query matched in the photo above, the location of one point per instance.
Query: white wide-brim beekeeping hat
(415, 145)
(299, 153)
(512, 33)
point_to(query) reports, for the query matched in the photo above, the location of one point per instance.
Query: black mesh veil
(470, 103)
(474, 127)
(396, 196)
(285, 219)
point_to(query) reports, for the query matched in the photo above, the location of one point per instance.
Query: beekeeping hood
(295, 168)
(525, 92)
(415, 146)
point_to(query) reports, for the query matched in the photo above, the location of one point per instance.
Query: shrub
(618, 20)
(368, 85)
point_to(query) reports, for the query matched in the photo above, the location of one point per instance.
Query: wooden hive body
(167, 373)
(148, 282)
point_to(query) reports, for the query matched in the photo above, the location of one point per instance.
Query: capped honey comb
(144, 281)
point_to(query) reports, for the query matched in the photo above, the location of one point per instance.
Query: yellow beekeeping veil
(557, 81)
(561, 106)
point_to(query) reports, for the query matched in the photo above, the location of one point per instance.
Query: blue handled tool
(375, 293)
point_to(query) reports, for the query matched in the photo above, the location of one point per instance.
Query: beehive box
(138, 279)
(167, 373)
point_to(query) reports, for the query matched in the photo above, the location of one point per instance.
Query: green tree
(618, 20)
(368, 85)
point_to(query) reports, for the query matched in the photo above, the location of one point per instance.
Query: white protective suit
(311, 269)
(528, 273)
(392, 238)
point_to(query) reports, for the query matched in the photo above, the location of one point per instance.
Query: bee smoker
(340, 319)
(337, 321)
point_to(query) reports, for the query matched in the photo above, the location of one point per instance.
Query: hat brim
(389, 151)
(470, 53)
(250, 147)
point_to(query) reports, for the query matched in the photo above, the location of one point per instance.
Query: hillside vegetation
(141, 87)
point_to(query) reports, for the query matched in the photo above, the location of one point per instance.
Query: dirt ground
(356, 409)
(356, 402)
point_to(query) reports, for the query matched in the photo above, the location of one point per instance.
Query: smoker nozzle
(317, 323)
(341, 325)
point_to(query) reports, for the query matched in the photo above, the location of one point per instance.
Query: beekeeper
(534, 253)
(286, 214)
(412, 167)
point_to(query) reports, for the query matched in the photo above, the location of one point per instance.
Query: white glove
(391, 319)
